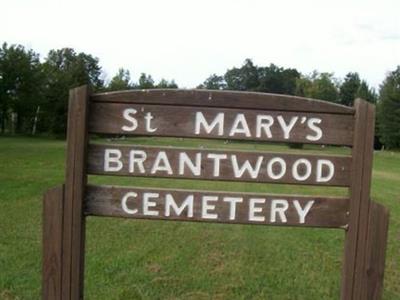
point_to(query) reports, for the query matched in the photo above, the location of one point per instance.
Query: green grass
(138, 259)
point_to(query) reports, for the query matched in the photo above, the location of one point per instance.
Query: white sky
(189, 40)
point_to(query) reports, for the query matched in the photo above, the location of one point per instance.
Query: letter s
(128, 116)
(318, 132)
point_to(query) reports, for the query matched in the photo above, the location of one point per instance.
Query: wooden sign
(215, 115)
(220, 207)
(226, 123)
(218, 165)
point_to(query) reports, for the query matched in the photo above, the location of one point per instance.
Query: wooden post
(52, 243)
(376, 252)
(356, 235)
(74, 221)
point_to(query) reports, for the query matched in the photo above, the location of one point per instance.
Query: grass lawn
(138, 259)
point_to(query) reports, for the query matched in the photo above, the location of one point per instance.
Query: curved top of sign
(223, 99)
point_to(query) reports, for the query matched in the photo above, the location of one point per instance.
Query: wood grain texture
(179, 121)
(106, 201)
(355, 241)
(378, 225)
(228, 166)
(52, 243)
(74, 222)
(360, 281)
(223, 99)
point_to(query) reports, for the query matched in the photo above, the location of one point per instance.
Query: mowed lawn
(139, 259)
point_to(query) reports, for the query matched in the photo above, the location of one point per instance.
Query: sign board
(215, 115)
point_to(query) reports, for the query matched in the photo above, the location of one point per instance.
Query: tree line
(34, 94)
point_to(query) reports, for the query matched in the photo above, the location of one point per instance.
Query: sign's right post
(358, 242)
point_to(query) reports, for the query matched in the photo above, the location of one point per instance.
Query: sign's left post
(73, 241)
(53, 204)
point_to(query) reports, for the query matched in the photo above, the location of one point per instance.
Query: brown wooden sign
(215, 115)
(226, 123)
(220, 207)
(218, 165)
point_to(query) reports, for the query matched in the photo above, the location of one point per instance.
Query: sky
(189, 40)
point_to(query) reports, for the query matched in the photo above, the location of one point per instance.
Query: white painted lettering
(295, 169)
(206, 207)
(112, 160)
(240, 126)
(264, 123)
(147, 204)
(253, 209)
(216, 162)
(148, 117)
(270, 170)
(331, 170)
(137, 157)
(170, 203)
(279, 206)
(302, 212)
(246, 166)
(184, 160)
(201, 122)
(124, 204)
(287, 128)
(128, 116)
(161, 164)
(318, 132)
(233, 201)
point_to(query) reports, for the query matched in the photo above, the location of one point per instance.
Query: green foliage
(389, 110)
(249, 77)
(366, 93)
(244, 78)
(28, 86)
(66, 69)
(21, 82)
(145, 81)
(121, 81)
(321, 86)
(165, 84)
(349, 88)
(213, 82)
(353, 87)
(274, 79)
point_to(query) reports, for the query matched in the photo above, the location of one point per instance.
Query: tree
(21, 79)
(165, 84)
(389, 110)
(349, 88)
(366, 93)
(318, 86)
(65, 69)
(213, 82)
(145, 81)
(270, 79)
(353, 87)
(244, 78)
(121, 81)
(274, 79)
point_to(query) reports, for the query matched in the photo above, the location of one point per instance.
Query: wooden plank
(219, 207)
(217, 123)
(362, 153)
(52, 243)
(359, 279)
(227, 99)
(74, 222)
(145, 161)
(376, 252)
